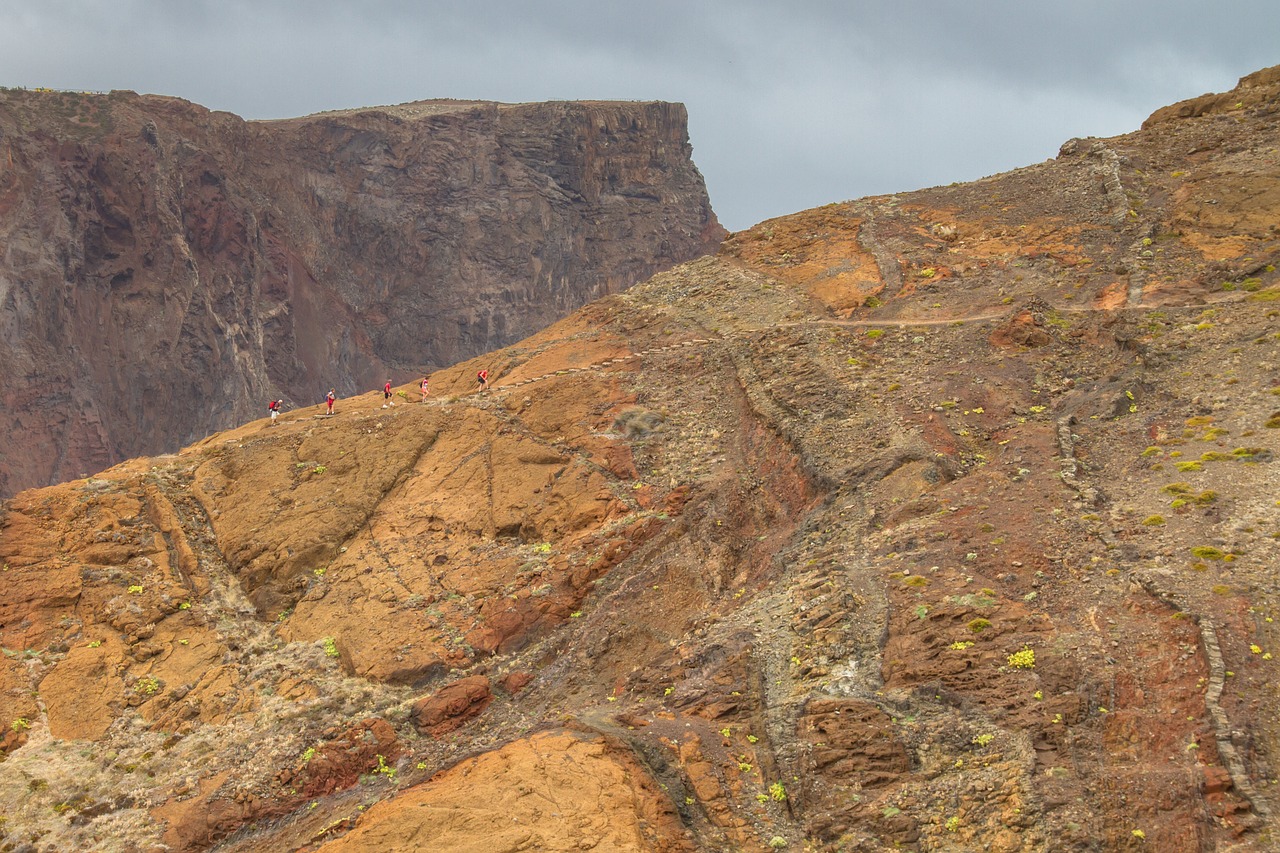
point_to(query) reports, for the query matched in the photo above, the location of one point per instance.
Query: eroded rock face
(555, 791)
(452, 706)
(965, 543)
(167, 269)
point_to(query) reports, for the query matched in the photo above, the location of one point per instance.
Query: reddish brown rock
(452, 706)
(1022, 329)
(219, 807)
(516, 681)
(857, 591)
(170, 269)
(852, 742)
(340, 761)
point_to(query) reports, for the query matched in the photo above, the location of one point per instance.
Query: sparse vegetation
(784, 490)
(1024, 659)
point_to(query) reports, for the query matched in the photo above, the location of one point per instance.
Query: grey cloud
(791, 105)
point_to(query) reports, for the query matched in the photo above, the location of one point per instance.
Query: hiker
(386, 395)
(426, 388)
(274, 407)
(329, 398)
(483, 378)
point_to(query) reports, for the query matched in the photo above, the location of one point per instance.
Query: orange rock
(554, 792)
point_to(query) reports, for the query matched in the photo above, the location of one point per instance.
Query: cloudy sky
(791, 104)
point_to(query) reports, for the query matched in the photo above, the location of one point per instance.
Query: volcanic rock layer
(166, 270)
(938, 521)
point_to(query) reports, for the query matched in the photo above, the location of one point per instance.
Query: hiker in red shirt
(329, 398)
(386, 395)
(274, 407)
(483, 378)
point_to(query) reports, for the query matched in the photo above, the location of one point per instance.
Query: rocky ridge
(938, 521)
(167, 270)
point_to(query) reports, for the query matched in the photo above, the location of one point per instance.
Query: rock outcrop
(939, 521)
(167, 270)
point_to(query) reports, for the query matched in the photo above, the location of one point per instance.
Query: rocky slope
(167, 270)
(940, 521)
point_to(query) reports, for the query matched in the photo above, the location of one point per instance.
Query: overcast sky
(791, 104)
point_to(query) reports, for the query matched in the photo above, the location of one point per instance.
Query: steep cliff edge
(166, 269)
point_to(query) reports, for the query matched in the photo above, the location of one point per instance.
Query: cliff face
(937, 521)
(166, 269)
